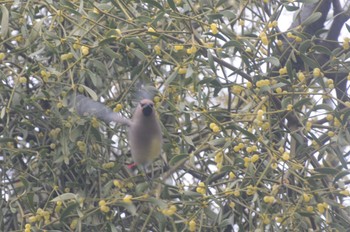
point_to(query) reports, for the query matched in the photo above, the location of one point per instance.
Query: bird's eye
(146, 105)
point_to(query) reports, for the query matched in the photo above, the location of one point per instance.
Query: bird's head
(147, 107)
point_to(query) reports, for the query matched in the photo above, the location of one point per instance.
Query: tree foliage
(255, 119)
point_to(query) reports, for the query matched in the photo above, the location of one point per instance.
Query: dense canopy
(253, 97)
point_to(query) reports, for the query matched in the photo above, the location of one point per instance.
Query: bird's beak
(147, 109)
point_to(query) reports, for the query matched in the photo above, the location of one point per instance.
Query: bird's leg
(149, 179)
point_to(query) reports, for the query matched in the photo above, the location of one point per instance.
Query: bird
(144, 129)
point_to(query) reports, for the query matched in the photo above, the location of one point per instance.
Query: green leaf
(273, 60)
(217, 142)
(302, 102)
(64, 197)
(154, 3)
(92, 93)
(112, 54)
(188, 140)
(172, 5)
(6, 140)
(170, 79)
(139, 54)
(112, 227)
(232, 43)
(108, 40)
(286, 101)
(309, 62)
(176, 159)
(312, 18)
(71, 209)
(327, 171)
(189, 71)
(291, 7)
(325, 107)
(4, 21)
(130, 207)
(304, 46)
(211, 61)
(251, 136)
(340, 175)
(346, 116)
(215, 16)
(322, 50)
(35, 32)
(139, 42)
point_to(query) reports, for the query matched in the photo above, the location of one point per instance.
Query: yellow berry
(283, 71)
(104, 208)
(278, 90)
(66, 56)
(248, 50)
(329, 117)
(290, 35)
(317, 72)
(192, 225)
(301, 76)
(157, 49)
(264, 38)
(298, 39)
(118, 183)
(251, 190)
(201, 188)
(118, 107)
(306, 197)
(22, 80)
(269, 199)
(2, 56)
(150, 29)
(191, 50)
(216, 129)
(330, 133)
(285, 156)
(266, 219)
(346, 45)
(84, 50)
(127, 199)
(274, 166)
(255, 158)
(178, 47)
(321, 207)
(214, 28)
(182, 70)
(250, 85)
(219, 157)
(212, 125)
(32, 219)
